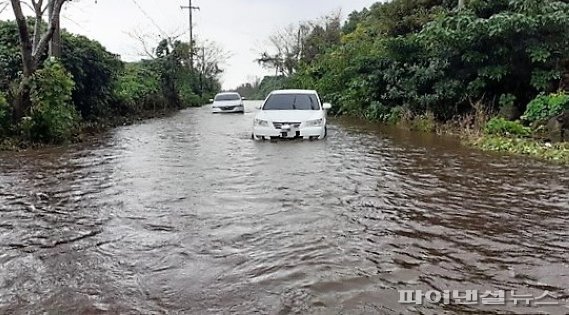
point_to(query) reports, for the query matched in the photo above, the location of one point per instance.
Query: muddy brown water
(187, 215)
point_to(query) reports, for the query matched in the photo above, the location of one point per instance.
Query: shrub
(424, 123)
(190, 99)
(380, 112)
(5, 115)
(271, 83)
(377, 111)
(544, 107)
(508, 109)
(557, 152)
(396, 114)
(428, 59)
(136, 88)
(498, 126)
(94, 71)
(10, 59)
(53, 117)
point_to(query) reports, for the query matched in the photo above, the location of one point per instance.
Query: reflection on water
(188, 215)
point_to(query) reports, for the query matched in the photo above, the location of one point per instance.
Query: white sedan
(291, 114)
(228, 103)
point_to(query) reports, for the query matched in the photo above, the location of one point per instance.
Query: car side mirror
(259, 106)
(243, 98)
(327, 106)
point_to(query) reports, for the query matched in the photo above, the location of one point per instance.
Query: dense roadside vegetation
(259, 89)
(89, 88)
(431, 66)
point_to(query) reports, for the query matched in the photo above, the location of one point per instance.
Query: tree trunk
(53, 24)
(461, 4)
(26, 47)
(22, 99)
(37, 28)
(39, 19)
(55, 42)
(32, 49)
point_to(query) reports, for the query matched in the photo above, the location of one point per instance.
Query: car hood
(289, 115)
(226, 103)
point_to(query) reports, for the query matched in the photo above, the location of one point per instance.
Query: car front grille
(279, 125)
(228, 108)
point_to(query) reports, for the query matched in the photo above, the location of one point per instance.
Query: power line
(150, 18)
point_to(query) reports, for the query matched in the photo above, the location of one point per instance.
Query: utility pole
(191, 9)
(55, 42)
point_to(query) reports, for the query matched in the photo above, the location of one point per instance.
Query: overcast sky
(241, 27)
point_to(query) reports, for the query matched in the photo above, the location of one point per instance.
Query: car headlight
(314, 123)
(261, 123)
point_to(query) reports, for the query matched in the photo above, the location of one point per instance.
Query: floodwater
(188, 215)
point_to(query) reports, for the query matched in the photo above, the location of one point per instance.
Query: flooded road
(187, 215)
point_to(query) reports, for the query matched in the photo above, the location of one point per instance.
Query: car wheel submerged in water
(291, 114)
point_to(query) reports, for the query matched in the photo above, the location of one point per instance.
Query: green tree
(94, 71)
(518, 51)
(33, 44)
(10, 58)
(428, 57)
(53, 117)
(322, 37)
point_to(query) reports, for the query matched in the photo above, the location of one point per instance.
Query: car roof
(294, 92)
(228, 93)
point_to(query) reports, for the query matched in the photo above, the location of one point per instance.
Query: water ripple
(187, 215)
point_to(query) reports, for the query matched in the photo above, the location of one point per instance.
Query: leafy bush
(501, 127)
(94, 71)
(94, 84)
(135, 88)
(186, 92)
(424, 123)
(270, 83)
(401, 17)
(377, 111)
(544, 107)
(162, 83)
(190, 99)
(508, 108)
(10, 58)
(53, 117)
(556, 152)
(380, 112)
(426, 57)
(514, 51)
(5, 115)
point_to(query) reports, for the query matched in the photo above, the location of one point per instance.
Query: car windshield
(292, 102)
(227, 97)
